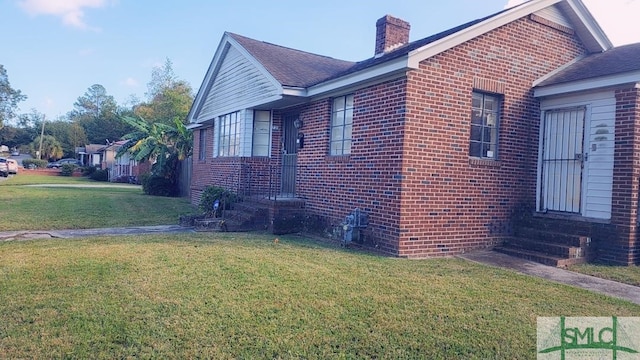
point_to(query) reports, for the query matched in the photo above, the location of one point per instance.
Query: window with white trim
(341, 125)
(229, 136)
(485, 121)
(261, 133)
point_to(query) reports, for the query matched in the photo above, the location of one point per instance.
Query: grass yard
(27, 205)
(208, 295)
(625, 274)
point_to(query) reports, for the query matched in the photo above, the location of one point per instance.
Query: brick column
(624, 248)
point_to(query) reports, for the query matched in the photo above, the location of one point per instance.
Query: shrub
(158, 186)
(99, 175)
(67, 169)
(34, 163)
(88, 170)
(213, 193)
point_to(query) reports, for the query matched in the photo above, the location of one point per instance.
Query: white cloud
(70, 11)
(614, 17)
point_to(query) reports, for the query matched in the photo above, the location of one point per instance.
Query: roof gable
(572, 13)
(233, 81)
(290, 67)
(616, 66)
(583, 23)
(296, 73)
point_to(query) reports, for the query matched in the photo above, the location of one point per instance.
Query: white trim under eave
(556, 71)
(418, 55)
(194, 126)
(590, 24)
(294, 91)
(587, 84)
(383, 69)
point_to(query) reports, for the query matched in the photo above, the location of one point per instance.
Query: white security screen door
(562, 160)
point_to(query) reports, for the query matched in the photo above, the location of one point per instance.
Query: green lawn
(207, 295)
(27, 205)
(625, 274)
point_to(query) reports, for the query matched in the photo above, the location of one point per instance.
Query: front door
(562, 161)
(289, 155)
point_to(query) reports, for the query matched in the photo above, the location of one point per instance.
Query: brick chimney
(391, 33)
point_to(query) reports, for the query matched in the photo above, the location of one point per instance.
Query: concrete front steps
(282, 215)
(547, 247)
(244, 216)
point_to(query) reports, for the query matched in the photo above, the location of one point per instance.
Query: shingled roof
(406, 49)
(618, 60)
(297, 68)
(292, 67)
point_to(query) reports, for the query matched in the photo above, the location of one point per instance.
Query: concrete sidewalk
(606, 287)
(67, 234)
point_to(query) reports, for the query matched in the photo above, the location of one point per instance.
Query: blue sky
(54, 50)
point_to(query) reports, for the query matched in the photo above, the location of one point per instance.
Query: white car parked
(12, 166)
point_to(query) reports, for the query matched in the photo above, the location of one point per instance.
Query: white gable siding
(599, 145)
(552, 13)
(238, 82)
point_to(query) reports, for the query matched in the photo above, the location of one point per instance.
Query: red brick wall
(451, 203)
(623, 247)
(370, 177)
(427, 197)
(409, 167)
(243, 175)
(391, 32)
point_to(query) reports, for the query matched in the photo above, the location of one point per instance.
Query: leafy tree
(163, 145)
(51, 148)
(169, 97)
(162, 77)
(9, 97)
(13, 136)
(69, 134)
(95, 102)
(97, 113)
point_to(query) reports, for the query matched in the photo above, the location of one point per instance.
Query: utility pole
(44, 118)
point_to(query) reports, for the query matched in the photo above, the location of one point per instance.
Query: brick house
(449, 143)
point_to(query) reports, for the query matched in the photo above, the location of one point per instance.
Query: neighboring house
(446, 142)
(121, 168)
(89, 154)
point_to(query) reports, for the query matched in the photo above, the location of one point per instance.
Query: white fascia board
(556, 71)
(245, 106)
(294, 91)
(462, 36)
(255, 63)
(204, 87)
(255, 104)
(194, 126)
(590, 25)
(226, 42)
(588, 84)
(381, 70)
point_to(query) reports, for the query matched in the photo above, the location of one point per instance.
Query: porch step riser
(539, 257)
(547, 248)
(552, 237)
(220, 225)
